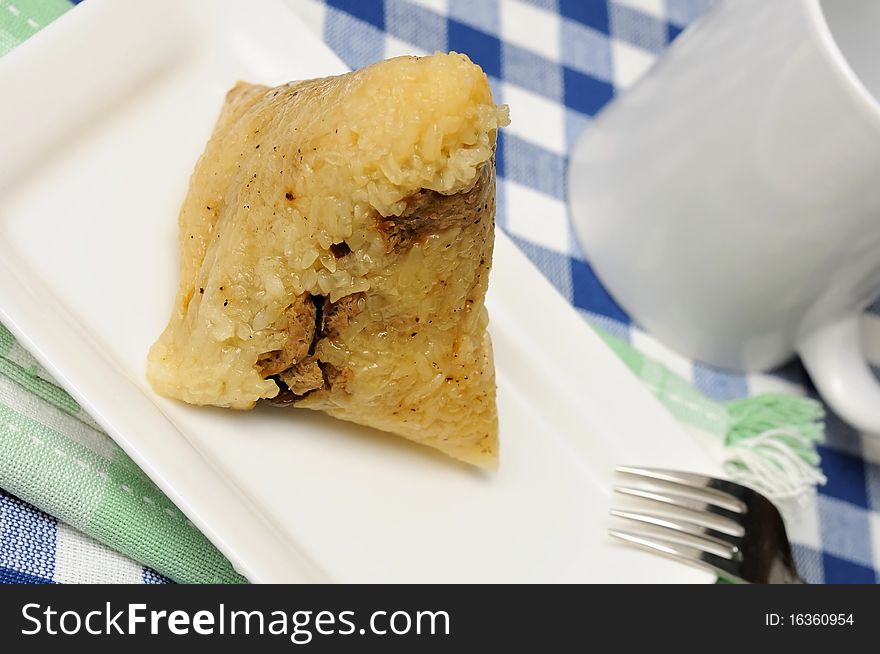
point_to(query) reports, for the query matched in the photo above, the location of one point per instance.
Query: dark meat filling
(294, 368)
(300, 320)
(429, 212)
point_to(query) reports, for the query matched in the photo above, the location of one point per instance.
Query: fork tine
(688, 485)
(680, 553)
(667, 534)
(662, 492)
(683, 528)
(666, 475)
(667, 507)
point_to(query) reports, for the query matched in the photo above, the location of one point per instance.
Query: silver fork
(728, 528)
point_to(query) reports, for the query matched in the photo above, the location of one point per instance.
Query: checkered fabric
(35, 548)
(557, 62)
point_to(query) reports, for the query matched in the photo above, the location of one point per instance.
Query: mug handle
(835, 360)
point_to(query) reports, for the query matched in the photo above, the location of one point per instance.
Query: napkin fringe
(771, 444)
(768, 441)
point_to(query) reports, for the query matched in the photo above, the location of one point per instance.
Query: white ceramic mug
(730, 201)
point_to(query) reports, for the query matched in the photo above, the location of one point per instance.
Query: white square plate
(104, 113)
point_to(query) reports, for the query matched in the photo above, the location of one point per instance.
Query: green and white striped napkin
(21, 19)
(55, 457)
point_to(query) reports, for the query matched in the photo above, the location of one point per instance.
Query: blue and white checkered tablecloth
(557, 63)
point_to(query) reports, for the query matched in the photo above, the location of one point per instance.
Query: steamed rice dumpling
(335, 247)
